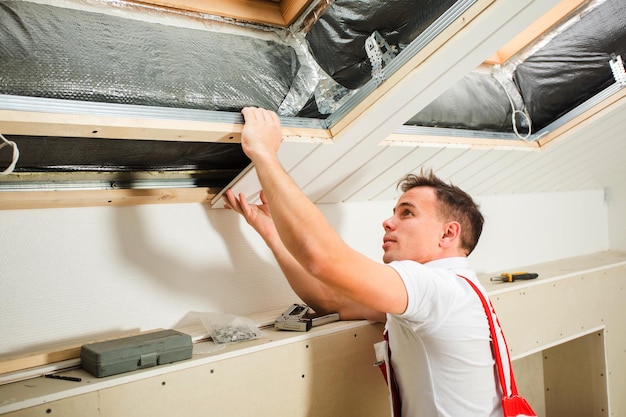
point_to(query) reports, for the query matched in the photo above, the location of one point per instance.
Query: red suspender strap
(490, 312)
(396, 401)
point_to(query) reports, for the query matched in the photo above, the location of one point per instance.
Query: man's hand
(261, 134)
(257, 215)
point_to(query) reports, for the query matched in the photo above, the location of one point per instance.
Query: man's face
(414, 231)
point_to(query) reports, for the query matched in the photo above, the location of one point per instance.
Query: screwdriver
(512, 276)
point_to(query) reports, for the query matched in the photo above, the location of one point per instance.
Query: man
(438, 332)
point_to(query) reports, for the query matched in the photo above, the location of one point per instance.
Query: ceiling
(366, 150)
(371, 153)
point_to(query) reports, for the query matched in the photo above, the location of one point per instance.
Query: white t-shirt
(440, 346)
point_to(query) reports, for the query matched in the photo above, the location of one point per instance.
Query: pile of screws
(233, 333)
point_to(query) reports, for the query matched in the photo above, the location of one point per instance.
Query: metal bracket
(617, 67)
(380, 53)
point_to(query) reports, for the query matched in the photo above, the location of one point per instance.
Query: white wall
(527, 229)
(520, 229)
(616, 198)
(68, 275)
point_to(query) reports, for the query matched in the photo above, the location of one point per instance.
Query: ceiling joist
(271, 12)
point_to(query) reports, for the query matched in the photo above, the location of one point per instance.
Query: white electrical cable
(516, 112)
(16, 154)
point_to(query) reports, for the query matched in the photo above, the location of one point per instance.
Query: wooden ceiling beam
(534, 31)
(17, 200)
(276, 13)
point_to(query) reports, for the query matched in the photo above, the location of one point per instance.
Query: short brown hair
(454, 204)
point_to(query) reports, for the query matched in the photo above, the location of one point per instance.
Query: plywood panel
(575, 300)
(328, 375)
(85, 405)
(575, 378)
(529, 379)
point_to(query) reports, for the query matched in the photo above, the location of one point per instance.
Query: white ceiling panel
(436, 162)
(463, 163)
(497, 171)
(387, 179)
(363, 176)
(291, 154)
(464, 175)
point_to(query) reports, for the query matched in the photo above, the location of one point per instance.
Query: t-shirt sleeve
(429, 292)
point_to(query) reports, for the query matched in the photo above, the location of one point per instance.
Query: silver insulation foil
(83, 54)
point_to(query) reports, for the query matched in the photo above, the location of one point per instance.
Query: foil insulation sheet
(68, 53)
(58, 154)
(337, 39)
(574, 65)
(478, 101)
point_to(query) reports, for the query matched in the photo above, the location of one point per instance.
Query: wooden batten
(276, 13)
(24, 362)
(14, 200)
(33, 123)
(534, 31)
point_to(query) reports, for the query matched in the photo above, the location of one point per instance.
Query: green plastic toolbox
(135, 352)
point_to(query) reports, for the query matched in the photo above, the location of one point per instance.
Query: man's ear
(451, 234)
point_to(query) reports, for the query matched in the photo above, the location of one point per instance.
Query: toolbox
(135, 352)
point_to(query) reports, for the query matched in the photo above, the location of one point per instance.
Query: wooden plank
(46, 357)
(261, 11)
(272, 12)
(292, 9)
(534, 31)
(39, 123)
(14, 200)
(38, 359)
(35, 123)
(14, 122)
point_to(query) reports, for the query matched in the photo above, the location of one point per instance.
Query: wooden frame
(534, 31)
(16, 200)
(272, 12)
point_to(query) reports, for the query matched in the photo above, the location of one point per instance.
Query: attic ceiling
(421, 108)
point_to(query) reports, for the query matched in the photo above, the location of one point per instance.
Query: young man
(437, 329)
